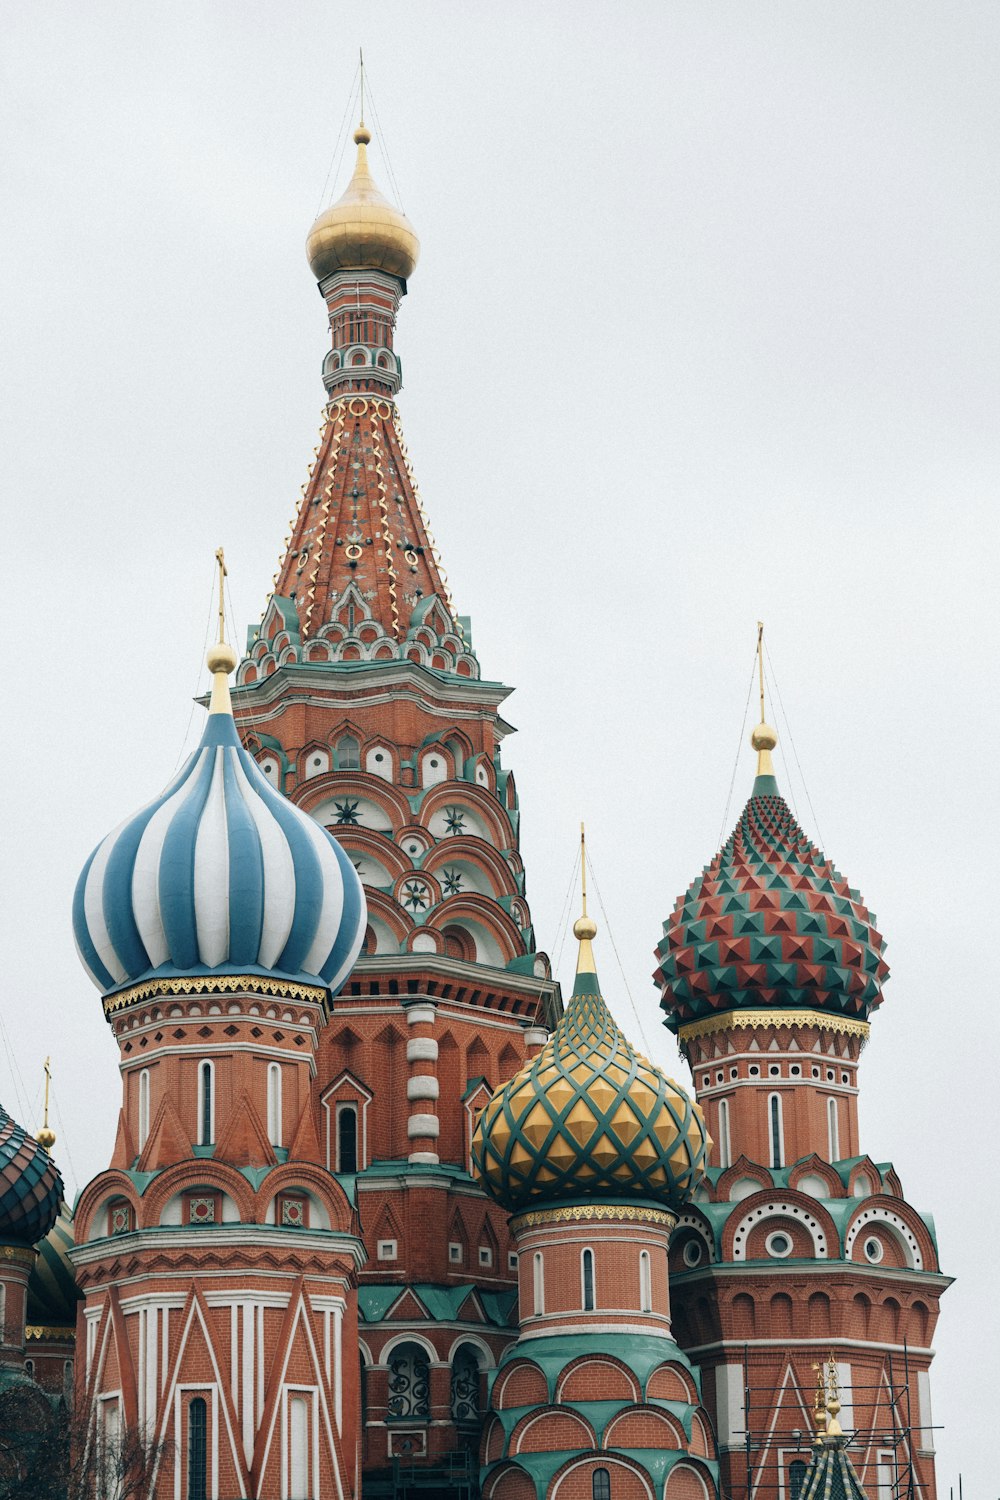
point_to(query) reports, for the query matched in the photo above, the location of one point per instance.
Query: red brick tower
(797, 1243)
(593, 1151)
(216, 1256)
(362, 700)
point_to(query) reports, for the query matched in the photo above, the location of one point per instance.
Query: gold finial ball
(362, 136)
(46, 1138)
(764, 737)
(221, 658)
(584, 927)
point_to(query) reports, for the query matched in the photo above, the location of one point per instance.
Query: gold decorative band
(21, 1255)
(57, 1335)
(622, 1212)
(730, 1020)
(215, 984)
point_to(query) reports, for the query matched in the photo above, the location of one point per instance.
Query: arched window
(833, 1129)
(587, 1276)
(725, 1160)
(776, 1133)
(409, 1383)
(645, 1286)
(465, 1386)
(143, 1107)
(538, 1282)
(298, 1448)
(29, 1368)
(348, 753)
(600, 1485)
(796, 1478)
(347, 1138)
(206, 1104)
(274, 1103)
(197, 1464)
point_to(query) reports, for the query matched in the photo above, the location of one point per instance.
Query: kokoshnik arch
(378, 1207)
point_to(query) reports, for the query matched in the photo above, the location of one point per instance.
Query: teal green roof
(443, 1303)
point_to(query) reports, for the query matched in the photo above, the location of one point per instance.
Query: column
(423, 1126)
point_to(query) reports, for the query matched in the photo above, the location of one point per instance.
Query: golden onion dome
(589, 1117)
(362, 230)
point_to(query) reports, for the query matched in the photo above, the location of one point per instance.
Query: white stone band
(422, 1086)
(422, 1049)
(418, 1015)
(426, 1158)
(535, 1036)
(428, 1125)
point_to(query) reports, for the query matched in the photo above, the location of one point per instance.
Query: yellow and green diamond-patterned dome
(589, 1117)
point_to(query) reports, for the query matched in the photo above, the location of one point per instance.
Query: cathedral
(387, 1213)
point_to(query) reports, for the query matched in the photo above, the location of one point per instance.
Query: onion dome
(31, 1187)
(589, 1117)
(362, 230)
(770, 923)
(220, 874)
(52, 1290)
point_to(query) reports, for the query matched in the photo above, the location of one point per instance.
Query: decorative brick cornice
(217, 984)
(40, 1331)
(569, 1213)
(731, 1020)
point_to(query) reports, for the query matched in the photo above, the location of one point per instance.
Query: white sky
(705, 328)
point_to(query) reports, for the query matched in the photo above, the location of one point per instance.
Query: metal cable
(739, 748)
(562, 928)
(384, 149)
(791, 741)
(197, 686)
(614, 949)
(339, 139)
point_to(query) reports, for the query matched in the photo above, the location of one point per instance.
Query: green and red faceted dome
(31, 1188)
(769, 924)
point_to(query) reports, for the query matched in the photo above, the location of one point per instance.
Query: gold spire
(764, 738)
(584, 928)
(833, 1427)
(819, 1405)
(362, 229)
(46, 1138)
(221, 658)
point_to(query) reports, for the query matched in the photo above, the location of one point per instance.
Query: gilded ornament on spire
(46, 1137)
(589, 1117)
(362, 230)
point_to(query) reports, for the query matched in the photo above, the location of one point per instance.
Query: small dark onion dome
(52, 1290)
(770, 923)
(31, 1188)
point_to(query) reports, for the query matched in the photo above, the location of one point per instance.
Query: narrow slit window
(724, 1156)
(588, 1280)
(197, 1464)
(206, 1117)
(834, 1129)
(600, 1485)
(777, 1151)
(274, 1103)
(347, 1138)
(645, 1285)
(538, 1275)
(143, 1107)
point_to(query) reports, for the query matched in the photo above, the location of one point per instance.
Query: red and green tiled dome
(31, 1188)
(589, 1117)
(770, 923)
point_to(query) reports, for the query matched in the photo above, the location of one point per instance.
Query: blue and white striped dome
(221, 874)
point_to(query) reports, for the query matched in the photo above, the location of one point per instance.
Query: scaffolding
(894, 1437)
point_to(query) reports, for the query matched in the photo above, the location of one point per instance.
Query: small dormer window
(348, 753)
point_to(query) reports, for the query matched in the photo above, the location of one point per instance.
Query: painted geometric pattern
(831, 1476)
(589, 1116)
(220, 873)
(31, 1188)
(769, 922)
(52, 1289)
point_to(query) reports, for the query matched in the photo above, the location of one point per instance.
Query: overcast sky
(704, 329)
